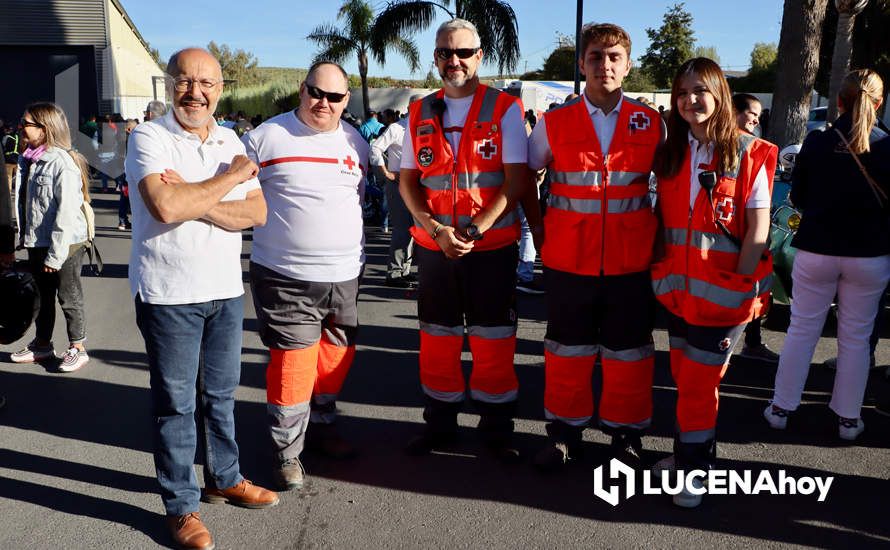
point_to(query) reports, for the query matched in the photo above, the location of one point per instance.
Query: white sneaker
(776, 417)
(850, 428)
(33, 353)
(664, 466)
(687, 499)
(73, 359)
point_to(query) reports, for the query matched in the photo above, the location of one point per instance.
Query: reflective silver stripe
(491, 333)
(486, 112)
(583, 179)
(643, 424)
(446, 396)
(675, 236)
(717, 242)
(440, 330)
(621, 206)
(570, 351)
(707, 357)
(506, 220)
(725, 297)
(505, 397)
(699, 436)
(626, 178)
(629, 355)
(677, 342)
(582, 206)
(745, 141)
(668, 283)
(437, 183)
(481, 180)
(579, 421)
(444, 219)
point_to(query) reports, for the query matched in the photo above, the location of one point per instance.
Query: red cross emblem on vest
(639, 121)
(725, 208)
(487, 149)
(350, 164)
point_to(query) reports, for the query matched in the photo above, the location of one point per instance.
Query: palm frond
(498, 30)
(333, 45)
(405, 47)
(359, 17)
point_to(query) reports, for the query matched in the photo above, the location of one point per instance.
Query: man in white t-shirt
(386, 157)
(197, 191)
(463, 169)
(305, 265)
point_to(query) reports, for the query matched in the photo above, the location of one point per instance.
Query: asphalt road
(76, 468)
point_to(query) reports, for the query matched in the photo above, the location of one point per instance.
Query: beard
(455, 79)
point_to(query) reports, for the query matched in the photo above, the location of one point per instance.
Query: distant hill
(282, 74)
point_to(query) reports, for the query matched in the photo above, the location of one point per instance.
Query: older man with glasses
(305, 265)
(197, 191)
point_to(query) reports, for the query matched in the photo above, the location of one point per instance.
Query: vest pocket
(636, 240)
(573, 242)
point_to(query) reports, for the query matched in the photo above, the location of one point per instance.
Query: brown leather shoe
(245, 495)
(188, 531)
(325, 439)
(290, 474)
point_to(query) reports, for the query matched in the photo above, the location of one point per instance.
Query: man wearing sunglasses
(305, 265)
(463, 169)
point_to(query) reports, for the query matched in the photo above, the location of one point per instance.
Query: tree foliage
(670, 45)
(494, 19)
(638, 80)
(237, 65)
(560, 64)
(707, 51)
(761, 76)
(362, 33)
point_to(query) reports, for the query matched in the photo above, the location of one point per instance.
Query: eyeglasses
(318, 93)
(29, 124)
(185, 84)
(463, 53)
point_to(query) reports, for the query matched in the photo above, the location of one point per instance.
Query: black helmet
(21, 300)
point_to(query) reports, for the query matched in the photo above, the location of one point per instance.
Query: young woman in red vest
(714, 186)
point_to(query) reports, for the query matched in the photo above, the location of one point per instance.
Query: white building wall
(130, 85)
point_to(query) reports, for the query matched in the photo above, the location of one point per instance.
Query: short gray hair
(458, 24)
(156, 108)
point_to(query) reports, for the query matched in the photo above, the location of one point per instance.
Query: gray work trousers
(401, 244)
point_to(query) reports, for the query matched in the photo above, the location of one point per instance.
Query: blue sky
(275, 30)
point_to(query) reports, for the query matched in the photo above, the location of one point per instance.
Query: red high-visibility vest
(697, 278)
(599, 219)
(457, 188)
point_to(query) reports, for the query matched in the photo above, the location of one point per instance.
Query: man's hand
(452, 245)
(48, 269)
(171, 177)
(391, 176)
(242, 168)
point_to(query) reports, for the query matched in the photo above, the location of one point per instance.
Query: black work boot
(440, 430)
(326, 440)
(626, 445)
(563, 445)
(496, 428)
(695, 456)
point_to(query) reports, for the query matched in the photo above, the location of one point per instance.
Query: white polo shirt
(701, 155)
(390, 143)
(187, 262)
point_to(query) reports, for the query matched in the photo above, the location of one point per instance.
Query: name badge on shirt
(425, 130)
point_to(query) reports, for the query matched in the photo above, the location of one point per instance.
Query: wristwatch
(472, 232)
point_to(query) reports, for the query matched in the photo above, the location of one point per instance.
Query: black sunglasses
(463, 53)
(318, 93)
(28, 124)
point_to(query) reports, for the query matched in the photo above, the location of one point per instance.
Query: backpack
(95, 257)
(21, 301)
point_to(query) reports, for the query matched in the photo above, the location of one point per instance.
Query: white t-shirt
(700, 155)
(187, 262)
(514, 139)
(389, 142)
(314, 184)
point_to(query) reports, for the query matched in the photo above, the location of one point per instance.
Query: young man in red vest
(599, 229)
(463, 168)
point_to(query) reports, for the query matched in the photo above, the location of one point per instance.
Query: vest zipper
(604, 208)
(454, 218)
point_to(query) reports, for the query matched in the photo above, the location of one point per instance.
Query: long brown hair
(721, 128)
(55, 126)
(860, 95)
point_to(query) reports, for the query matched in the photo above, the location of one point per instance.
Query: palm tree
(843, 48)
(494, 19)
(798, 61)
(361, 34)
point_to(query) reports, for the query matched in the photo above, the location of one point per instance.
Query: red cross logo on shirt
(349, 162)
(725, 208)
(639, 121)
(487, 149)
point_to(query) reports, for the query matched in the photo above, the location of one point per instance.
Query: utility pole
(578, 16)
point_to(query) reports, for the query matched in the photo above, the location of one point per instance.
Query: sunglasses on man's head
(463, 53)
(29, 124)
(318, 93)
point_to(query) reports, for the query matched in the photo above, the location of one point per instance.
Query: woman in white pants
(840, 182)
